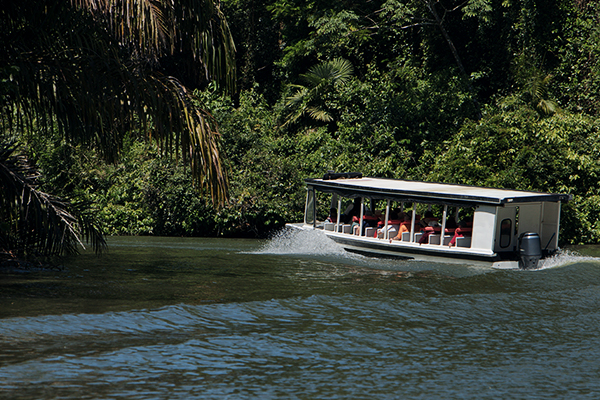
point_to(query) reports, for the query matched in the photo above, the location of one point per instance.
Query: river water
(296, 317)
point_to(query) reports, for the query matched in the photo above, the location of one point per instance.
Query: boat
(441, 222)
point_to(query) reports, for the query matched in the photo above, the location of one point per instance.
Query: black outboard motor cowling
(530, 250)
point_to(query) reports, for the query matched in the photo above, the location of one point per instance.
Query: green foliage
(578, 49)
(34, 223)
(88, 70)
(323, 78)
(521, 150)
(500, 93)
(146, 193)
(266, 183)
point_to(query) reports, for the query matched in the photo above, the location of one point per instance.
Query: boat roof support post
(557, 226)
(412, 222)
(339, 214)
(362, 213)
(443, 231)
(314, 209)
(387, 217)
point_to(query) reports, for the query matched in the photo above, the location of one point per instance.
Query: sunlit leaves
(336, 72)
(520, 149)
(152, 28)
(321, 78)
(89, 67)
(480, 9)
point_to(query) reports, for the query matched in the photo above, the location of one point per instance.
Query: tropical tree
(94, 71)
(36, 223)
(309, 100)
(533, 92)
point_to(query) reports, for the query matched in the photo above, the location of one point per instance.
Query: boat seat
(434, 239)
(329, 226)
(406, 236)
(345, 228)
(392, 231)
(461, 232)
(370, 232)
(464, 230)
(464, 241)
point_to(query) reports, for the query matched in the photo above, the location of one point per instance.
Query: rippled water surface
(296, 317)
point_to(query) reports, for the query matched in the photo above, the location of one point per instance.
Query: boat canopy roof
(429, 192)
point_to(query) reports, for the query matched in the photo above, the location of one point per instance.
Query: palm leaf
(298, 97)
(337, 71)
(547, 107)
(73, 75)
(319, 115)
(155, 27)
(38, 223)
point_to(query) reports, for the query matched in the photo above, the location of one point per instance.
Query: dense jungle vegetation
(501, 93)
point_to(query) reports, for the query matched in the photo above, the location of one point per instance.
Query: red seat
(461, 231)
(465, 230)
(381, 224)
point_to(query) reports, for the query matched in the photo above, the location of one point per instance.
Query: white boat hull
(372, 246)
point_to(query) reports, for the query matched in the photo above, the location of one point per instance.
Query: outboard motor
(530, 250)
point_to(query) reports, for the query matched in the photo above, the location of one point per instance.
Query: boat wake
(565, 258)
(302, 242)
(299, 242)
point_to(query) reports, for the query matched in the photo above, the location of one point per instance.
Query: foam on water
(291, 241)
(564, 258)
(305, 242)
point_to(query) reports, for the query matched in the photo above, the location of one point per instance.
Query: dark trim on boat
(378, 255)
(347, 189)
(422, 250)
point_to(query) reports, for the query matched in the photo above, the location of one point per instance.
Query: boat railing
(452, 237)
(364, 221)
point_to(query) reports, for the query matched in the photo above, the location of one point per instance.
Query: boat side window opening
(396, 221)
(459, 227)
(350, 208)
(505, 232)
(310, 210)
(322, 208)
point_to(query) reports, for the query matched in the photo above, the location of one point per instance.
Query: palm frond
(177, 120)
(537, 92)
(141, 24)
(38, 223)
(337, 71)
(319, 115)
(320, 77)
(72, 75)
(154, 27)
(298, 97)
(547, 107)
